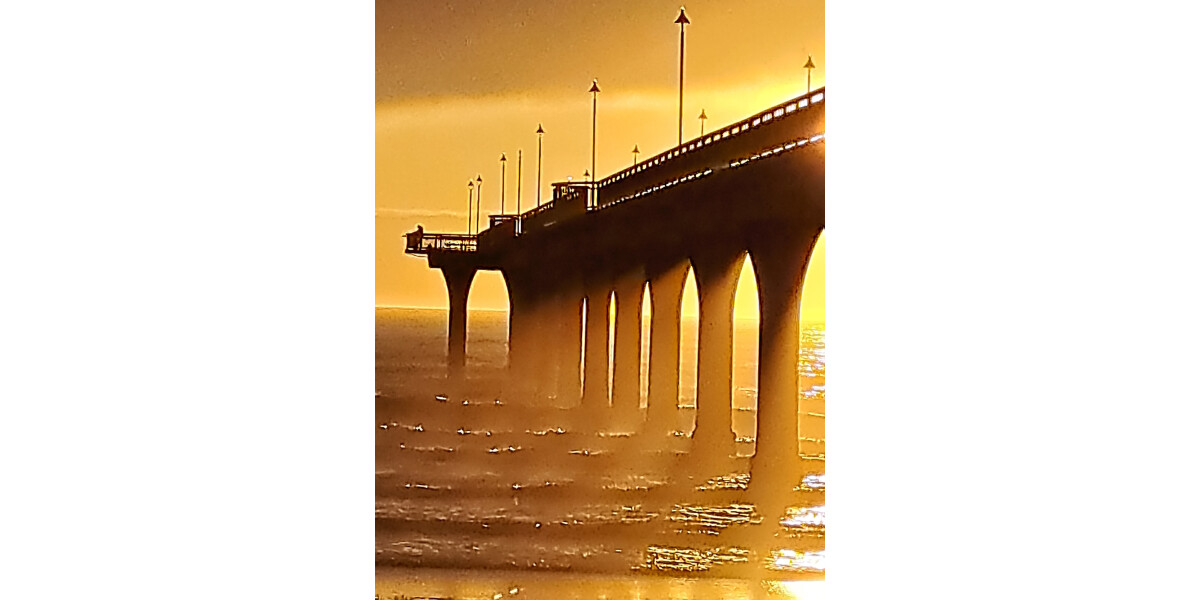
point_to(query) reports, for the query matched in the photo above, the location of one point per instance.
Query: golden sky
(457, 83)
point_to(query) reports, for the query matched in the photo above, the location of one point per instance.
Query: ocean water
(479, 495)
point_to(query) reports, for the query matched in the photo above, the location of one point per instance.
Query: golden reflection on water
(469, 585)
(694, 518)
(737, 481)
(479, 499)
(811, 516)
(806, 590)
(666, 558)
(787, 559)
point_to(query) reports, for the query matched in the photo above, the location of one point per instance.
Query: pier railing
(568, 199)
(753, 122)
(799, 118)
(424, 243)
(787, 126)
(753, 137)
(494, 220)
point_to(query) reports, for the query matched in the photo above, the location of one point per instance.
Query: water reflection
(800, 517)
(790, 560)
(467, 487)
(711, 519)
(737, 481)
(461, 585)
(663, 558)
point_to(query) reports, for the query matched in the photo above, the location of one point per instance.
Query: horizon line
(504, 310)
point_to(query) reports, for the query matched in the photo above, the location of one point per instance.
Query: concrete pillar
(542, 345)
(595, 351)
(458, 285)
(779, 265)
(569, 322)
(666, 293)
(514, 389)
(526, 337)
(716, 283)
(627, 352)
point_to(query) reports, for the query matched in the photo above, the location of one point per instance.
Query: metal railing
(666, 161)
(778, 148)
(494, 220)
(781, 128)
(418, 242)
(537, 210)
(564, 195)
(752, 122)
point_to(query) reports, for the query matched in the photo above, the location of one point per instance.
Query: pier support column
(525, 298)
(716, 283)
(666, 293)
(458, 285)
(569, 322)
(595, 357)
(627, 352)
(779, 265)
(542, 345)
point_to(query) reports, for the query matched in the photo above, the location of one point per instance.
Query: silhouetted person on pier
(414, 239)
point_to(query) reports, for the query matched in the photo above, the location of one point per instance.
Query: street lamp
(517, 223)
(810, 66)
(595, 90)
(503, 160)
(703, 117)
(635, 153)
(470, 202)
(479, 201)
(682, 20)
(539, 186)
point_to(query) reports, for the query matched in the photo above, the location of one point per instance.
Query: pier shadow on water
(483, 497)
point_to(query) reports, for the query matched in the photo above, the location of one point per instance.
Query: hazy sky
(457, 83)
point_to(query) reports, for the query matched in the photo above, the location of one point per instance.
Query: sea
(482, 495)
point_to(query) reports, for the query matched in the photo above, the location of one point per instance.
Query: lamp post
(682, 20)
(703, 117)
(503, 161)
(478, 201)
(470, 202)
(635, 153)
(810, 66)
(539, 186)
(595, 90)
(517, 225)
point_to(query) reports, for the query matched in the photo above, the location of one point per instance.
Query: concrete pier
(757, 188)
